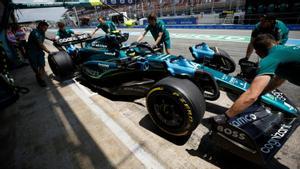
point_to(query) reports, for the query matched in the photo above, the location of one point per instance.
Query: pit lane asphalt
(68, 126)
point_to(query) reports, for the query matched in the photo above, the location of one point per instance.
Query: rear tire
(176, 106)
(225, 63)
(61, 64)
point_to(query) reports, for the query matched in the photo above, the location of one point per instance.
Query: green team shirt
(159, 27)
(35, 38)
(64, 33)
(278, 56)
(280, 32)
(108, 25)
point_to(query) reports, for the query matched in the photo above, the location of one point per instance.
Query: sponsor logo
(232, 133)
(274, 141)
(103, 65)
(69, 39)
(98, 45)
(243, 120)
(110, 53)
(278, 95)
(134, 89)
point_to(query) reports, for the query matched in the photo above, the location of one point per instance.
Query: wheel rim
(226, 65)
(168, 111)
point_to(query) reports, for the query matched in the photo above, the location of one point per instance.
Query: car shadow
(108, 95)
(148, 124)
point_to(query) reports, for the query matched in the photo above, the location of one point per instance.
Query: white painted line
(84, 89)
(144, 157)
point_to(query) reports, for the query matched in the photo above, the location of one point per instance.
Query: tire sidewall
(191, 118)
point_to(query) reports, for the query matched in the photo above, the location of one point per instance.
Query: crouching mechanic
(158, 31)
(106, 26)
(36, 50)
(279, 63)
(268, 24)
(62, 33)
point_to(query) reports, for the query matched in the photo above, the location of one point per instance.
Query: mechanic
(35, 51)
(279, 63)
(268, 24)
(63, 32)
(106, 26)
(158, 31)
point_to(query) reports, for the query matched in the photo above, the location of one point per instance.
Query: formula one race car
(176, 89)
(110, 46)
(63, 63)
(176, 106)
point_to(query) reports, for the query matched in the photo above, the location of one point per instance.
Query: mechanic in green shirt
(268, 24)
(63, 32)
(158, 31)
(279, 63)
(36, 50)
(106, 26)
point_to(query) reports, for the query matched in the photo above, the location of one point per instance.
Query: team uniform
(282, 61)
(108, 25)
(64, 33)
(35, 52)
(280, 32)
(155, 30)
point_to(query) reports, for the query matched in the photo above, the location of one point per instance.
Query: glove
(221, 119)
(154, 46)
(243, 60)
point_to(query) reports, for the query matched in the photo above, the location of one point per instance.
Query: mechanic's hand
(154, 46)
(221, 119)
(243, 60)
(47, 51)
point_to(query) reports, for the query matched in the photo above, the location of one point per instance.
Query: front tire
(176, 106)
(224, 62)
(61, 64)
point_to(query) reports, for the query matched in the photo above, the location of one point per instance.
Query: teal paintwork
(180, 66)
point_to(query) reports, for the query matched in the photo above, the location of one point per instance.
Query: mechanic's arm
(274, 84)
(250, 96)
(51, 39)
(140, 38)
(42, 46)
(75, 33)
(94, 31)
(249, 49)
(160, 34)
(284, 38)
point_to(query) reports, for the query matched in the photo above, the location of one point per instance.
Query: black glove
(154, 46)
(221, 119)
(243, 60)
